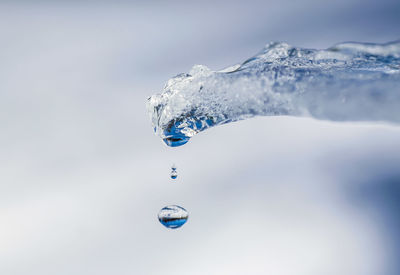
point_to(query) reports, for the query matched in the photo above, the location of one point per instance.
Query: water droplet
(174, 173)
(175, 142)
(173, 216)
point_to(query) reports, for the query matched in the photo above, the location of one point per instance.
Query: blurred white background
(83, 176)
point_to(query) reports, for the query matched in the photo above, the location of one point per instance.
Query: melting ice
(347, 82)
(173, 216)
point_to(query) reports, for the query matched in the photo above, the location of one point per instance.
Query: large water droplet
(173, 216)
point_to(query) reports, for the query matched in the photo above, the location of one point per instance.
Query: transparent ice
(347, 82)
(173, 216)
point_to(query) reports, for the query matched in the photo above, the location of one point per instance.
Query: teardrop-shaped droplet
(173, 216)
(174, 174)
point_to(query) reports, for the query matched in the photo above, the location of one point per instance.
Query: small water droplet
(173, 216)
(174, 173)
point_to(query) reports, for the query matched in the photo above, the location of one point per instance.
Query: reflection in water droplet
(173, 216)
(174, 142)
(174, 173)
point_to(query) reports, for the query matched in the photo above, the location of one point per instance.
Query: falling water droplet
(174, 173)
(173, 216)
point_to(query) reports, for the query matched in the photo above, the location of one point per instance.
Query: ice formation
(347, 82)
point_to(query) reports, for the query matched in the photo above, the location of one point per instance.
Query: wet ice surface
(347, 82)
(173, 216)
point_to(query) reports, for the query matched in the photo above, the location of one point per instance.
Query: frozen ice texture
(347, 82)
